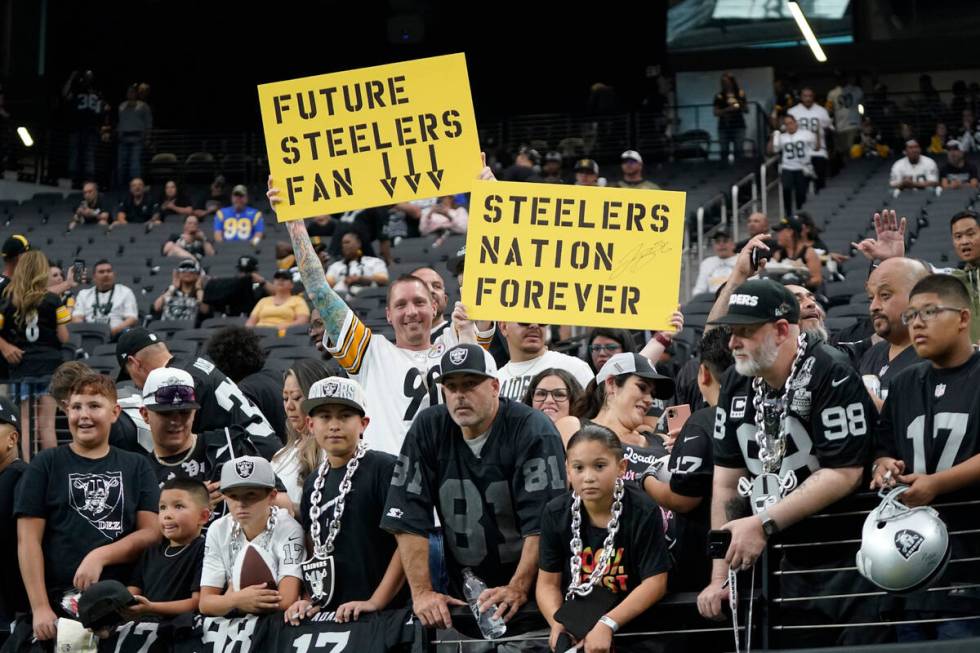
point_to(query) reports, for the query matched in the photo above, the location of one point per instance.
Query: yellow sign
(371, 137)
(575, 255)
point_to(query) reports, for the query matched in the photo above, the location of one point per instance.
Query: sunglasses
(610, 347)
(174, 395)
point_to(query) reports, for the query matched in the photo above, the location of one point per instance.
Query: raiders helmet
(902, 549)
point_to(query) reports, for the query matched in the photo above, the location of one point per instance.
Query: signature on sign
(638, 257)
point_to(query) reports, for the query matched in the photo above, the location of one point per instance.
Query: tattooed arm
(328, 304)
(822, 488)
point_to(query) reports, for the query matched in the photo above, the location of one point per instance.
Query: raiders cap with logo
(247, 471)
(131, 342)
(760, 301)
(168, 389)
(335, 390)
(468, 359)
(630, 363)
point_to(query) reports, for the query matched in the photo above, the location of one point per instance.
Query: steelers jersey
(831, 418)
(398, 382)
(234, 225)
(930, 422)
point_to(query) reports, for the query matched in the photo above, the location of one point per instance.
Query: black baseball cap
(283, 274)
(9, 413)
(468, 359)
(15, 246)
(721, 234)
(248, 264)
(587, 165)
(553, 156)
(630, 363)
(130, 343)
(760, 301)
(98, 606)
(792, 223)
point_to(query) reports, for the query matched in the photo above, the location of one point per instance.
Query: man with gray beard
(805, 450)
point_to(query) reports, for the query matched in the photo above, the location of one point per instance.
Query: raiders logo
(318, 577)
(908, 542)
(457, 356)
(99, 499)
(802, 379)
(244, 468)
(330, 389)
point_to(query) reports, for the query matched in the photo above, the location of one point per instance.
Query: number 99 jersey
(831, 418)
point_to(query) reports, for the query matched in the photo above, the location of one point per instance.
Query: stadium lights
(25, 136)
(811, 39)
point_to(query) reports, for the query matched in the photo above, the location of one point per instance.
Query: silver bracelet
(607, 620)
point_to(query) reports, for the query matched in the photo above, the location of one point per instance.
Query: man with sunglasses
(927, 439)
(529, 355)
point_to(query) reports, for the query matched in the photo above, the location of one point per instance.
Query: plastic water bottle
(492, 627)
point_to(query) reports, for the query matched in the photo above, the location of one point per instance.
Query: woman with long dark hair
(34, 326)
(553, 391)
(730, 109)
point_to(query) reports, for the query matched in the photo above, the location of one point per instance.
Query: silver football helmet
(902, 549)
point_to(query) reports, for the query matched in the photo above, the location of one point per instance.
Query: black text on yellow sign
(370, 137)
(575, 255)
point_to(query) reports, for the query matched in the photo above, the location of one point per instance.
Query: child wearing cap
(167, 580)
(359, 578)
(249, 487)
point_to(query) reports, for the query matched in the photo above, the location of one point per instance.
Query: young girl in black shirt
(602, 544)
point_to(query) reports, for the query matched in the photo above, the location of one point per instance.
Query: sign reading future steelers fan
(575, 255)
(371, 136)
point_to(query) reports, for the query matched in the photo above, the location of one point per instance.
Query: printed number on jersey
(417, 389)
(952, 425)
(794, 150)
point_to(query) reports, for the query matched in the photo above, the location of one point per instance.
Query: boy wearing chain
(249, 487)
(793, 430)
(341, 510)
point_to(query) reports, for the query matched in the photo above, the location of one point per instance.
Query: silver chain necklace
(182, 460)
(238, 535)
(575, 586)
(325, 549)
(771, 451)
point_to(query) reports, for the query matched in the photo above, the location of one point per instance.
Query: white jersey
(286, 551)
(796, 149)
(112, 307)
(713, 273)
(816, 120)
(515, 377)
(845, 101)
(398, 382)
(925, 169)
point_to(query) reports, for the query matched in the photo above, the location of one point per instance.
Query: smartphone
(718, 543)
(676, 416)
(758, 254)
(78, 270)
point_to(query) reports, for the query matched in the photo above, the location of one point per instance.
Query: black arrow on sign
(413, 178)
(435, 173)
(388, 181)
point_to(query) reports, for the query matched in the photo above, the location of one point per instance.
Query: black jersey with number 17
(487, 501)
(831, 418)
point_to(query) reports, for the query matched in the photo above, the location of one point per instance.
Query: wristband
(607, 620)
(662, 339)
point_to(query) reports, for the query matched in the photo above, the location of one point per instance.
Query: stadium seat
(92, 335)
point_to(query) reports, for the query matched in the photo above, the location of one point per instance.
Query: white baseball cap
(335, 390)
(631, 155)
(169, 389)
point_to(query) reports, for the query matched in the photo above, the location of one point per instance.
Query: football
(254, 567)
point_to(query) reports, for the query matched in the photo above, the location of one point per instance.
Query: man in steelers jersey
(805, 451)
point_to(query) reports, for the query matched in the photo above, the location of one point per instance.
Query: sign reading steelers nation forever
(575, 255)
(371, 137)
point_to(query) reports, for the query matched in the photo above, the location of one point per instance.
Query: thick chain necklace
(182, 460)
(600, 562)
(238, 535)
(771, 451)
(326, 548)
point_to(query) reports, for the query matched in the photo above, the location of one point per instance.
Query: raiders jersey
(831, 418)
(875, 362)
(285, 546)
(224, 404)
(399, 382)
(930, 422)
(796, 148)
(816, 120)
(487, 502)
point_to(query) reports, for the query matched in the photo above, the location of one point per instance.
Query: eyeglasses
(614, 346)
(560, 395)
(927, 313)
(174, 395)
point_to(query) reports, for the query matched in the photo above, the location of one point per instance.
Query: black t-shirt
(166, 573)
(138, 213)
(85, 109)
(963, 174)
(875, 361)
(486, 504)
(37, 336)
(211, 203)
(86, 504)
(180, 201)
(641, 552)
(124, 435)
(358, 569)
(930, 421)
(731, 119)
(223, 404)
(13, 598)
(692, 466)
(368, 224)
(264, 388)
(831, 419)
